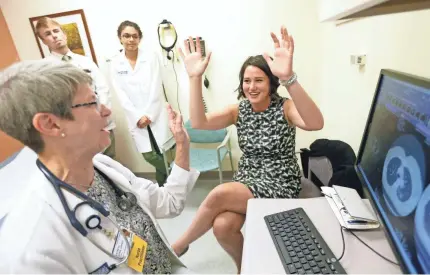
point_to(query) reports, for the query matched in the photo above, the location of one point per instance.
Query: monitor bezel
(414, 80)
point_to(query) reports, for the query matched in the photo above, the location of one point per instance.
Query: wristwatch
(287, 83)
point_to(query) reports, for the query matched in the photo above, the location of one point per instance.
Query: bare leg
(232, 196)
(226, 228)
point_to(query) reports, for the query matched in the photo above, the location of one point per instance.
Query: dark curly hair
(127, 23)
(259, 62)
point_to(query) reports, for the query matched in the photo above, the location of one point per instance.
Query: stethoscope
(169, 48)
(126, 200)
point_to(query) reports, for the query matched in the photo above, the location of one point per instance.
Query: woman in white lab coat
(136, 77)
(79, 207)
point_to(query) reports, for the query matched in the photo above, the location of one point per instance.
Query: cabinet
(332, 10)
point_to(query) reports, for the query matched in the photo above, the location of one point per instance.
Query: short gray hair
(31, 87)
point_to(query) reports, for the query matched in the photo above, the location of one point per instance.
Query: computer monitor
(393, 164)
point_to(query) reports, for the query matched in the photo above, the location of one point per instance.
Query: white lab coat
(140, 93)
(37, 237)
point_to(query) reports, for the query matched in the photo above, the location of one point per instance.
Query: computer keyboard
(300, 246)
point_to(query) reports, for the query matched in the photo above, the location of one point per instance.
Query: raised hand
(176, 126)
(282, 63)
(194, 62)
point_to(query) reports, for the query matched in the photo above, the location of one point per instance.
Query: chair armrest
(322, 169)
(226, 139)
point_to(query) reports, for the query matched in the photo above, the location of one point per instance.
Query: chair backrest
(205, 136)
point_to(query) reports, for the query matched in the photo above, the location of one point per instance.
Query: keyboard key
(298, 265)
(322, 252)
(283, 234)
(325, 271)
(291, 268)
(309, 272)
(295, 259)
(276, 220)
(316, 270)
(321, 264)
(301, 271)
(297, 249)
(309, 257)
(312, 263)
(287, 243)
(292, 254)
(300, 241)
(306, 267)
(300, 255)
(302, 233)
(332, 267)
(314, 253)
(303, 261)
(319, 246)
(284, 251)
(312, 247)
(290, 248)
(303, 246)
(328, 260)
(280, 216)
(270, 219)
(318, 259)
(295, 244)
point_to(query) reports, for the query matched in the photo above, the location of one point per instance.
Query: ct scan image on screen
(395, 162)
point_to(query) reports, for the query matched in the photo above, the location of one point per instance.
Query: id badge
(136, 249)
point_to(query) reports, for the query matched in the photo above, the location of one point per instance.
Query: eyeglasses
(96, 102)
(128, 36)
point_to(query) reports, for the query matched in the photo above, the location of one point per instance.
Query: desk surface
(261, 257)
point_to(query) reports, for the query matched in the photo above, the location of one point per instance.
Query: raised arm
(196, 66)
(301, 111)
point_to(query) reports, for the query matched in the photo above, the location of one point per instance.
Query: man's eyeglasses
(128, 36)
(96, 102)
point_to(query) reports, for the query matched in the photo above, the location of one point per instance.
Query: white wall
(397, 41)
(232, 29)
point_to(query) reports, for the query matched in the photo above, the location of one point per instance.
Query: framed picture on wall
(75, 27)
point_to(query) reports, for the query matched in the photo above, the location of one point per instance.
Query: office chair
(207, 159)
(317, 171)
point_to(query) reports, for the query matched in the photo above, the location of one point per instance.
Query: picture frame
(74, 24)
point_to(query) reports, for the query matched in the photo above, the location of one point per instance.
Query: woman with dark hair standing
(266, 126)
(136, 78)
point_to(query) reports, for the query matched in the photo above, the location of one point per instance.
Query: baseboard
(211, 175)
